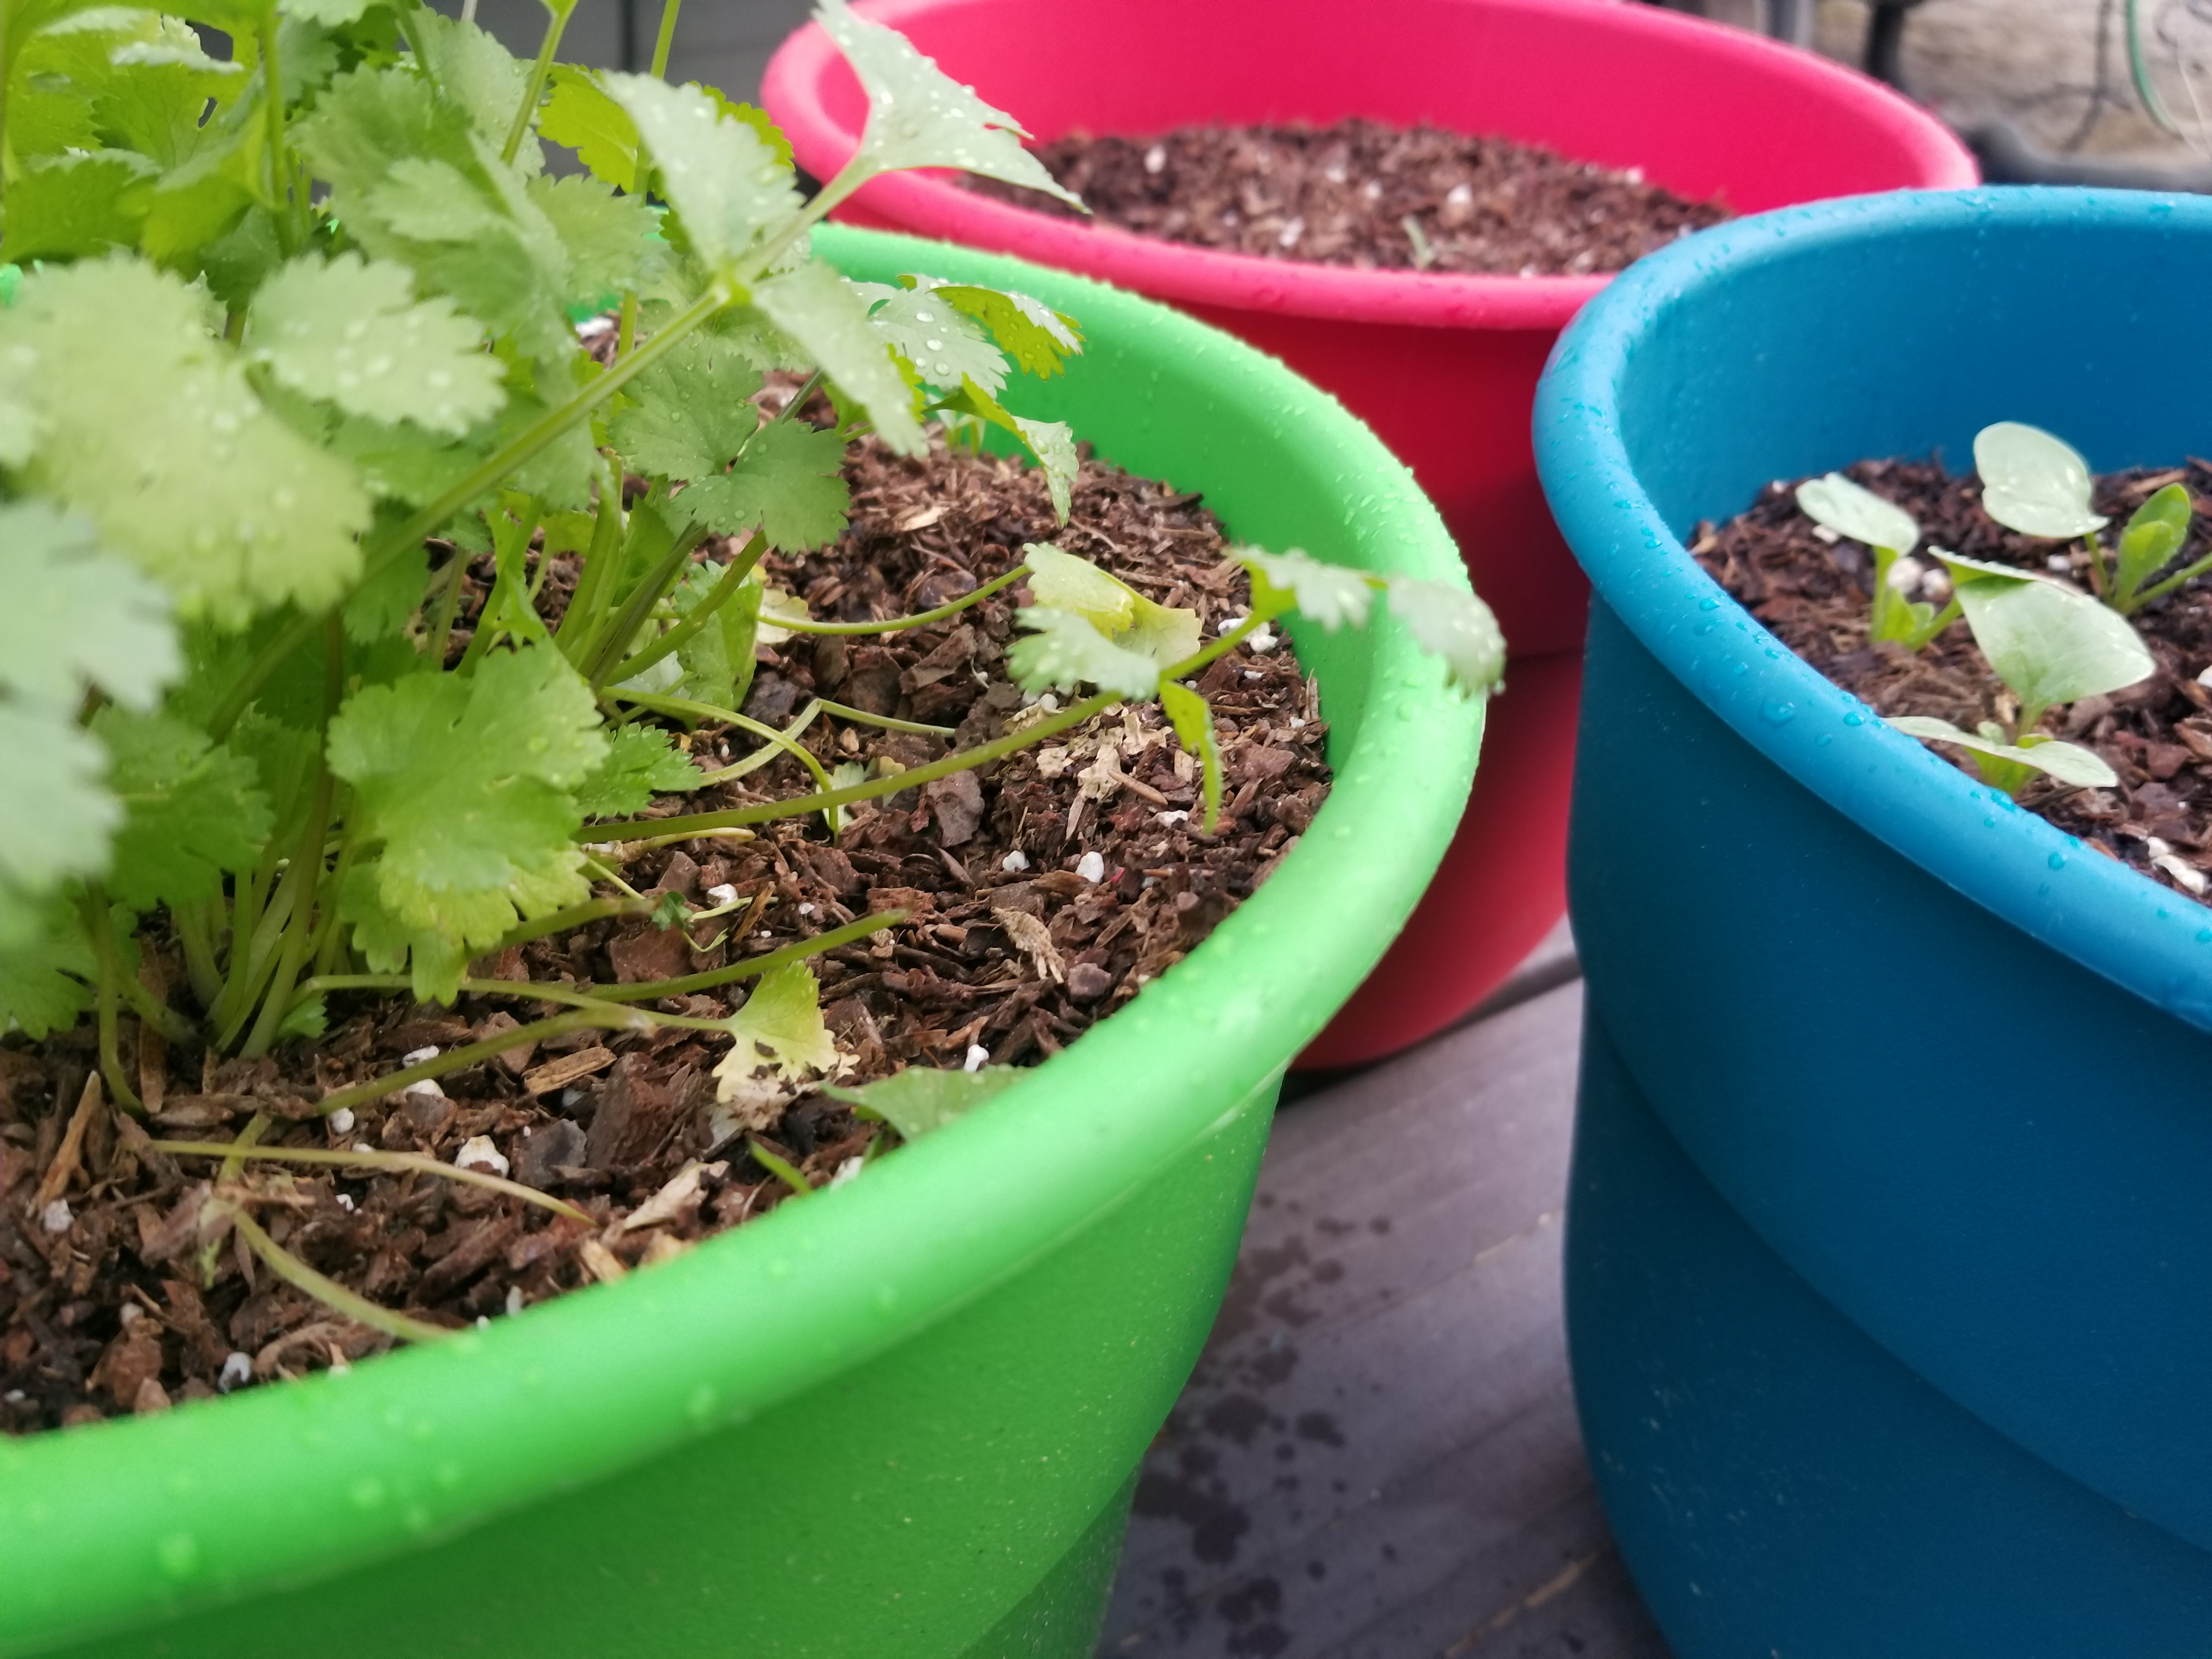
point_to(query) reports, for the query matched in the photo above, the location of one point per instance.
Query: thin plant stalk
(557, 22)
(733, 575)
(328, 1292)
(105, 994)
(919, 619)
(388, 1163)
(639, 605)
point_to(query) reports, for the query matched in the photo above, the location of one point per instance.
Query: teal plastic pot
(899, 1417)
(1889, 1279)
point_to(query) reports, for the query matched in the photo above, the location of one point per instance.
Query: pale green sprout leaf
(1192, 716)
(921, 1100)
(779, 605)
(944, 346)
(821, 311)
(725, 184)
(74, 617)
(642, 761)
(350, 332)
(1852, 510)
(2154, 536)
(1066, 650)
(464, 786)
(920, 116)
(2069, 762)
(1447, 621)
(2050, 644)
(2034, 483)
(1330, 594)
(788, 480)
(1061, 581)
(226, 507)
(780, 1027)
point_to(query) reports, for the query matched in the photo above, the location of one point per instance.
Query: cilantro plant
(288, 349)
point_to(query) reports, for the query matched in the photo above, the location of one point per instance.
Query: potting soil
(1344, 195)
(2155, 735)
(1041, 892)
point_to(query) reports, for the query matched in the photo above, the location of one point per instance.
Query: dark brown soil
(2157, 735)
(104, 1307)
(1342, 195)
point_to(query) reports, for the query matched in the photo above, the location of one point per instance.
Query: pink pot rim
(931, 204)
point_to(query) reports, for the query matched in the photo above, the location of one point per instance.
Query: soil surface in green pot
(1368, 195)
(1812, 589)
(1039, 894)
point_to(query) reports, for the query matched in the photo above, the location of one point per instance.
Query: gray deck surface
(1377, 1457)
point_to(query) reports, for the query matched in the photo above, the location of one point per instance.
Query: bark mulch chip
(1342, 195)
(2156, 735)
(1044, 893)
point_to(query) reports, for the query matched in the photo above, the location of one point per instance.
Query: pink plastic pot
(1443, 368)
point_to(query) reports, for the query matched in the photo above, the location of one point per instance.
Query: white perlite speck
(481, 1149)
(341, 1121)
(417, 1056)
(850, 1167)
(56, 1217)
(1263, 639)
(425, 1086)
(1019, 861)
(237, 1371)
(725, 894)
(978, 1057)
(1091, 866)
(513, 1300)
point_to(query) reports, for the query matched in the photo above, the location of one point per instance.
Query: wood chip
(560, 1073)
(679, 1195)
(63, 1169)
(602, 1263)
(1031, 937)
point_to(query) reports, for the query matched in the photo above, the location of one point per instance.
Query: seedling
(291, 354)
(2040, 486)
(2051, 646)
(1890, 534)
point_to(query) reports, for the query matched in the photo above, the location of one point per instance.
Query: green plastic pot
(899, 1417)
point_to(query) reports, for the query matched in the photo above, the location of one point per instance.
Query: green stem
(300, 928)
(600, 559)
(540, 434)
(733, 576)
(919, 619)
(539, 71)
(449, 602)
(332, 930)
(667, 38)
(510, 541)
(576, 915)
(328, 1292)
(767, 961)
(272, 81)
(684, 709)
(862, 717)
(94, 911)
(798, 806)
(392, 1162)
(1937, 624)
(766, 752)
(455, 1060)
(157, 1013)
(196, 934)
(639, 605)
(521, 990)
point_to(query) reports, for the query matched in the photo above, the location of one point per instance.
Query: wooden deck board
(1377, 1457)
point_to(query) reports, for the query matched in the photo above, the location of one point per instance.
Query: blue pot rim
(2134, 932)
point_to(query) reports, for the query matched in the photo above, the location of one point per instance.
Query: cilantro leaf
(75, 618)
(192, 810)
(609, 238)
(65, 206)
(1053, 444)
(922, 1099)
(45, 961)
(1447, 621)
(1331, 594)
(1193, 719)
(780, 1027)
(1066, 650)
(223, 503)
(693, 411)
(431, 200)
(349, 333)
(642, 761)
(920, 116)
(463, 786)
(1035, 335)
(789, 480)
(473, 71)
(944, 346)
(581, 116)
(717, 662)
(824, 313)
(725, 185)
